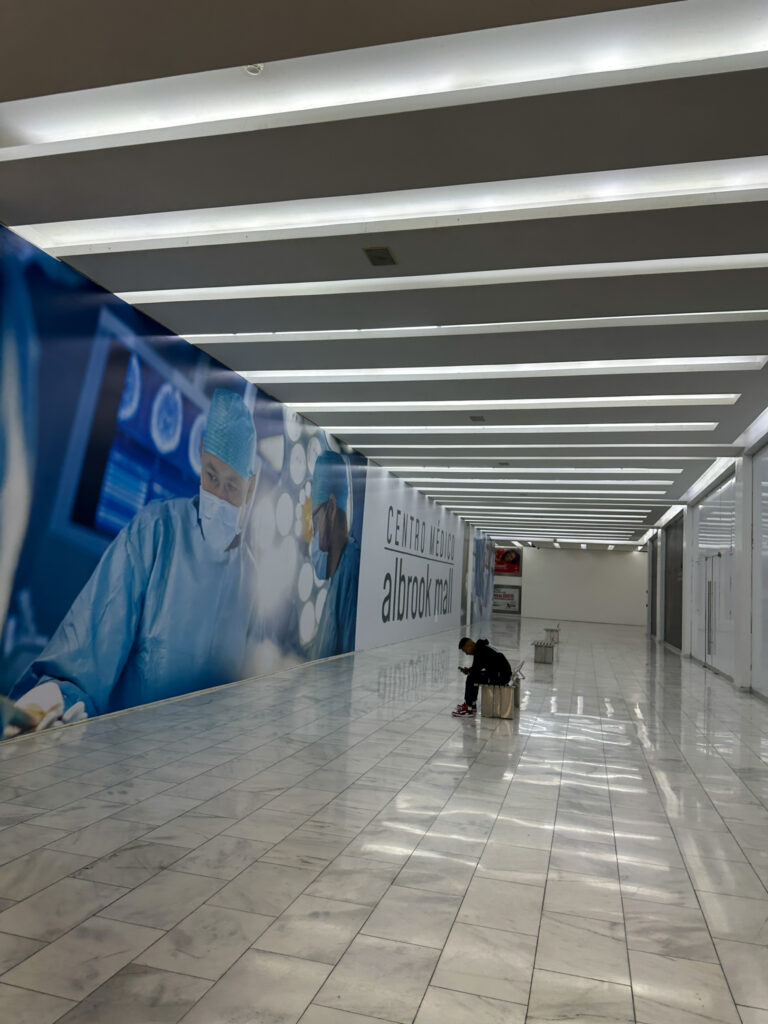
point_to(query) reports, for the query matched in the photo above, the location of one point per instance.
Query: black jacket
(489, 664)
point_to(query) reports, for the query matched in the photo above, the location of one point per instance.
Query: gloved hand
(44, 704)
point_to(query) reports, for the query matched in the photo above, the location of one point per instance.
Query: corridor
(330, 846)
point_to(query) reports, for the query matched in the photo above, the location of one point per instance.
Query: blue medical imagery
(167, 416)
(129, 403)
(155, 452)
(118, 595)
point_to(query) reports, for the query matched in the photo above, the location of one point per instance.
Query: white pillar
(660, 580)
(470, 576)
(689, 564)
(742, 576)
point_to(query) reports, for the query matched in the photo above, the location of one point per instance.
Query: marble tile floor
(328, 845)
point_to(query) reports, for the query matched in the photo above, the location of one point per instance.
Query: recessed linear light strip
(510, 462)
(541, 483)
(530, 536)
(545, 524)
(496, 371)
(554, 501)
(570, 402)
(621, 518)
(548, 517)
(347, 429)
(435, 492)
(609, 48)
(561, 522)
(568, 447)
(586, 513)
(558, 529)
(587, 470)
(466, 279)
(492, 327)
(743, 179)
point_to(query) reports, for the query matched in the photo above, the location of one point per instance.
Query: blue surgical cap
(229, 432)
(330, 478)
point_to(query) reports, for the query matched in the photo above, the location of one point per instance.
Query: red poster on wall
(509, 561)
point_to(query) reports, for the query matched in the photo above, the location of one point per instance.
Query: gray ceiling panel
(691, 119)
(107, 43)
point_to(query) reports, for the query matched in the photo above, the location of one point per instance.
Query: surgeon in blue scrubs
(170, 608)
(335, 556)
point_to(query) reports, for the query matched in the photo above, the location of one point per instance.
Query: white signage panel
(410, 569)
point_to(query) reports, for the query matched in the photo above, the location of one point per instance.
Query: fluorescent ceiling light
(568, 448)
(572, 402)
(537, 491)
(521, 428)
(437, 330)
(594, 192)
(670, 514)
(553, 518)
(513, 480)
(587, 367)
(465, 279)
(549, 507)
(582, 52)
(707, 478)
(530, 538)
(630, 522)
(513, 460)
(558, 531)
(550, 500)
(599, 470)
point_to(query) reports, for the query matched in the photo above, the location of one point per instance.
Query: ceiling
(574, 331)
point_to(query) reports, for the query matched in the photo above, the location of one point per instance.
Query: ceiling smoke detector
(254, 69)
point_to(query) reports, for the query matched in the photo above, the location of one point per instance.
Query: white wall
(585, 586)
(410, 564)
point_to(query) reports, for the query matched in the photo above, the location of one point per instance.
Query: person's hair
(464, 640)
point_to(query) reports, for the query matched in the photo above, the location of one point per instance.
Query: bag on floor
(497, 702)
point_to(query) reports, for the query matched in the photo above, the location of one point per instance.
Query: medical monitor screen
(154, 450)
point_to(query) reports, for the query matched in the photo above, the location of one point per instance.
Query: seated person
(488, 666)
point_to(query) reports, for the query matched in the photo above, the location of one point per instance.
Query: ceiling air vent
(477, 419)
(380, 256)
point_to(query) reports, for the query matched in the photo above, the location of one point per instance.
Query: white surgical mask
(319, 558)
(219, 520)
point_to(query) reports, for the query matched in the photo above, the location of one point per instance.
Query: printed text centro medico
(423, 588)
(409, 533)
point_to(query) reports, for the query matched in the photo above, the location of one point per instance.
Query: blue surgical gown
(162, 614)
(336, 629)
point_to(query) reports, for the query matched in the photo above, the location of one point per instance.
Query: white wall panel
(410, 566)
(760, 573)
(585, 586)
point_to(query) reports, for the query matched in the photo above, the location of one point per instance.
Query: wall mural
(166, 526)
